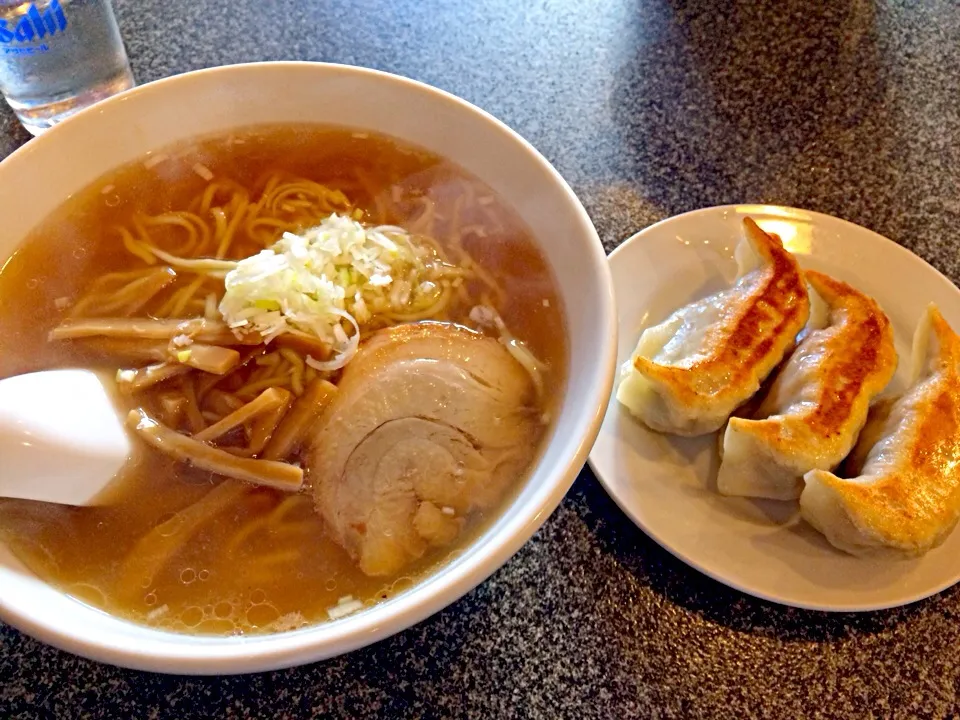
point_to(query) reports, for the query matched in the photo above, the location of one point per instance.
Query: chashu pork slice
(432, 422)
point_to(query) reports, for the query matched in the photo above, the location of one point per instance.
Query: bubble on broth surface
(192, 616)
(261, 615)
(229, 616)
(188, 575)
(222, 610)
(400, 584)
(88, 593)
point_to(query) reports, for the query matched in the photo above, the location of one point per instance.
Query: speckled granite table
(649, 108)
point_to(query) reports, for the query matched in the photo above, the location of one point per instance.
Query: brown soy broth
(282, 573)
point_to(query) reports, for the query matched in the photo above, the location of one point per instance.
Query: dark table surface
(649, 108)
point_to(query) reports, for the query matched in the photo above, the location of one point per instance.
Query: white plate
(666, 485)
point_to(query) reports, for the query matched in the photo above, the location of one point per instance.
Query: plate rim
(813, 216)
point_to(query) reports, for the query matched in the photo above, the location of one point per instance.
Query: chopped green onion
(326, 281)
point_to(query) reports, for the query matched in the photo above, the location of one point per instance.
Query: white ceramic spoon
(61, 437)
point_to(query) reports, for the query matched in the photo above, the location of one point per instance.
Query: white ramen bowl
(39, 176)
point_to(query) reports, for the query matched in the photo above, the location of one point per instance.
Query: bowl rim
(320, 641)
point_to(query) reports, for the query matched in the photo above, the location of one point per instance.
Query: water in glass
(58, 57)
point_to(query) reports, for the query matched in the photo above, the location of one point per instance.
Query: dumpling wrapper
(905, 497)
(812, 413)
(690, 372)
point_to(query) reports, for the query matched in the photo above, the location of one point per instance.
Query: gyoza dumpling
(905, 496)
(816, 406)
(691, 371)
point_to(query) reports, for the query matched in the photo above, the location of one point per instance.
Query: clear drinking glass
(58, 57)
